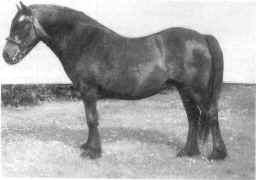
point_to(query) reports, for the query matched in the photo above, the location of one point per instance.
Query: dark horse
(103, 64)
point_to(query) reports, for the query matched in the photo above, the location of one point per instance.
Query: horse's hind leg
(209, 121)
(192, 111)
(219, 150)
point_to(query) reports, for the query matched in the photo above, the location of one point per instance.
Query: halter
(9, 39)
(38, 29)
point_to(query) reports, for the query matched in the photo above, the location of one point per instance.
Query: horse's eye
(18, 26)
(22, 29)
(22, 24)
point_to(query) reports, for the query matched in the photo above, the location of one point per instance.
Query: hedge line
(23, 95)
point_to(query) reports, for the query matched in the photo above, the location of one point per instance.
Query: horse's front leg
(92, 148)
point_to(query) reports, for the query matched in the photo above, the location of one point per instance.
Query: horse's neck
(65, 42)
(66, 26)
(59, 31)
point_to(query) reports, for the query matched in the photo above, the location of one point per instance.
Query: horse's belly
(135, 84)
(132, 94)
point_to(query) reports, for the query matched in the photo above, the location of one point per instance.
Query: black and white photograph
(128, 89)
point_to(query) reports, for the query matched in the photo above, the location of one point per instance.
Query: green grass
(140, 139)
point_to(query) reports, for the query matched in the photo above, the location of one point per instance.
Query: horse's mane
(64, 15)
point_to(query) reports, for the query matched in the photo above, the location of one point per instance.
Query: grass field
(140, 139)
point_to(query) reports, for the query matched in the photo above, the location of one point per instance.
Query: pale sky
(233, 23)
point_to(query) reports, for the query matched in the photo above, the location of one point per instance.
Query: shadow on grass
(108, 134)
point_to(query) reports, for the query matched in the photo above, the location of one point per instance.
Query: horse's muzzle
(12, 54)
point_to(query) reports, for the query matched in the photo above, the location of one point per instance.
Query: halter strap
(39, 29)
(13, 41)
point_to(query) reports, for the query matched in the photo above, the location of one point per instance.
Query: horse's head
(25, 33)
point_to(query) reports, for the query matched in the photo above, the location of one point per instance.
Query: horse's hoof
(91, 153)
(217, 155)
(188, 152)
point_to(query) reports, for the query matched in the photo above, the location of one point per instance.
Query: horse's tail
(215, 83)
(216, 77)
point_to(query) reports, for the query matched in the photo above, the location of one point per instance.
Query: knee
(92, 123)
(92, 120)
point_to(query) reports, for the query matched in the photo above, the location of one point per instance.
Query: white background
(232, 22)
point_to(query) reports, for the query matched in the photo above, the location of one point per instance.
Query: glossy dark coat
(104, 64)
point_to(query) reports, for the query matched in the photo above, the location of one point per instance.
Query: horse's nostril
(6, 56)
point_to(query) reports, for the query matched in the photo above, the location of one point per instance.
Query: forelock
(22, 18)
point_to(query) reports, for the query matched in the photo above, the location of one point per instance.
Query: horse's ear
(25, 8)
(18, 7)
